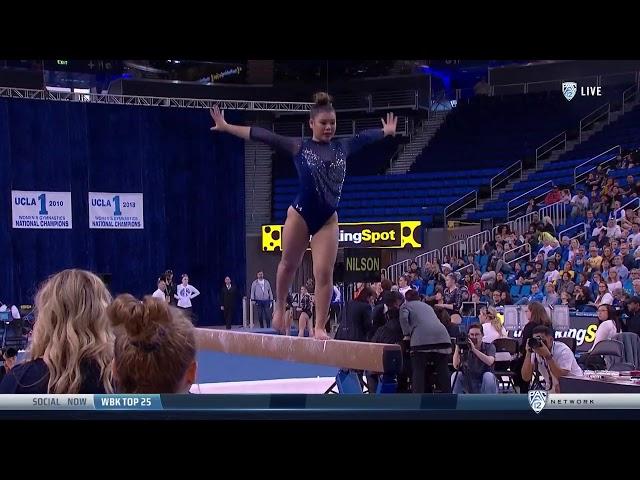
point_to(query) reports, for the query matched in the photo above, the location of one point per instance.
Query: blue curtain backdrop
(192, 181)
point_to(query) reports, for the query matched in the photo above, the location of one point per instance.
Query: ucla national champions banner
(41, 210)
(116, 210)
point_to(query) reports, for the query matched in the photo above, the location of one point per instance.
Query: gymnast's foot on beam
(319, 333)
(277, 323)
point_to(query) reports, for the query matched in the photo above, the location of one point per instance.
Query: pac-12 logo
(569, 89)
(537, 400)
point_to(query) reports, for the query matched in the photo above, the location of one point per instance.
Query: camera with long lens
(535, 342)
(462, 341)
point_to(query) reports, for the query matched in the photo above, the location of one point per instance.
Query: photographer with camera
(548, 358)
(473, 359)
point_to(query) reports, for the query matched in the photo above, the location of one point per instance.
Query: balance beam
(374, 357)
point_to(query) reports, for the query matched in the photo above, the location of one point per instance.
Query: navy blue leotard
(321, 170)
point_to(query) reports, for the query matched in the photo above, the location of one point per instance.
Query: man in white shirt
(634, 236)
(613, 229)
(596, 231)
(160, 293)
(580, 203)
(552, 274)
(552, 359)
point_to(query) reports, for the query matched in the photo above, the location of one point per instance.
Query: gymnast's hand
(388, 127)
(220, 123)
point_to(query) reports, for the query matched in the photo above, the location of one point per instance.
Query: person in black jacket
(357, 322)
(228, 296)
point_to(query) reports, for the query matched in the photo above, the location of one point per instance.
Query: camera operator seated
(551, 359)
(473, 359)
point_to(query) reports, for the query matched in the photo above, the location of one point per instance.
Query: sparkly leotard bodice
(321, 170)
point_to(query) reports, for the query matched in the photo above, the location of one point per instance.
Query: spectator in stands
(603, 297)
(552, 273)
(634, 236)
(630, 187)
(627, 257)
(551, 297)
(500, 283)
(568, 268)
(505, 298)
(567, 299)
(565, 284)
(602, 205)
(446, 270)
(579, 204)
(581, 296)
(596, 231)
(579, 263)
(535, 295)
(615, 247)
(415, 282)
(155, 347)
(531, 206)
(623, 271)
(557, 260)
(538, 273)
(403, 286)
(496, 299)
(594, 260)
(72, 344)
(527, 276)
(604, 266)
(613, 230)
(553, 360)
(596, 279)
(430, 345)
(517, 276)
(592, 181)
(590, 223)
(546, 248)
(475, 366)
(613, 281)
(616, 198)
(608, 186)
(553, 196)
(414, 268)
(547, 226)
(620, 298)
(491, 325)
(452, 299)
(602, 240)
